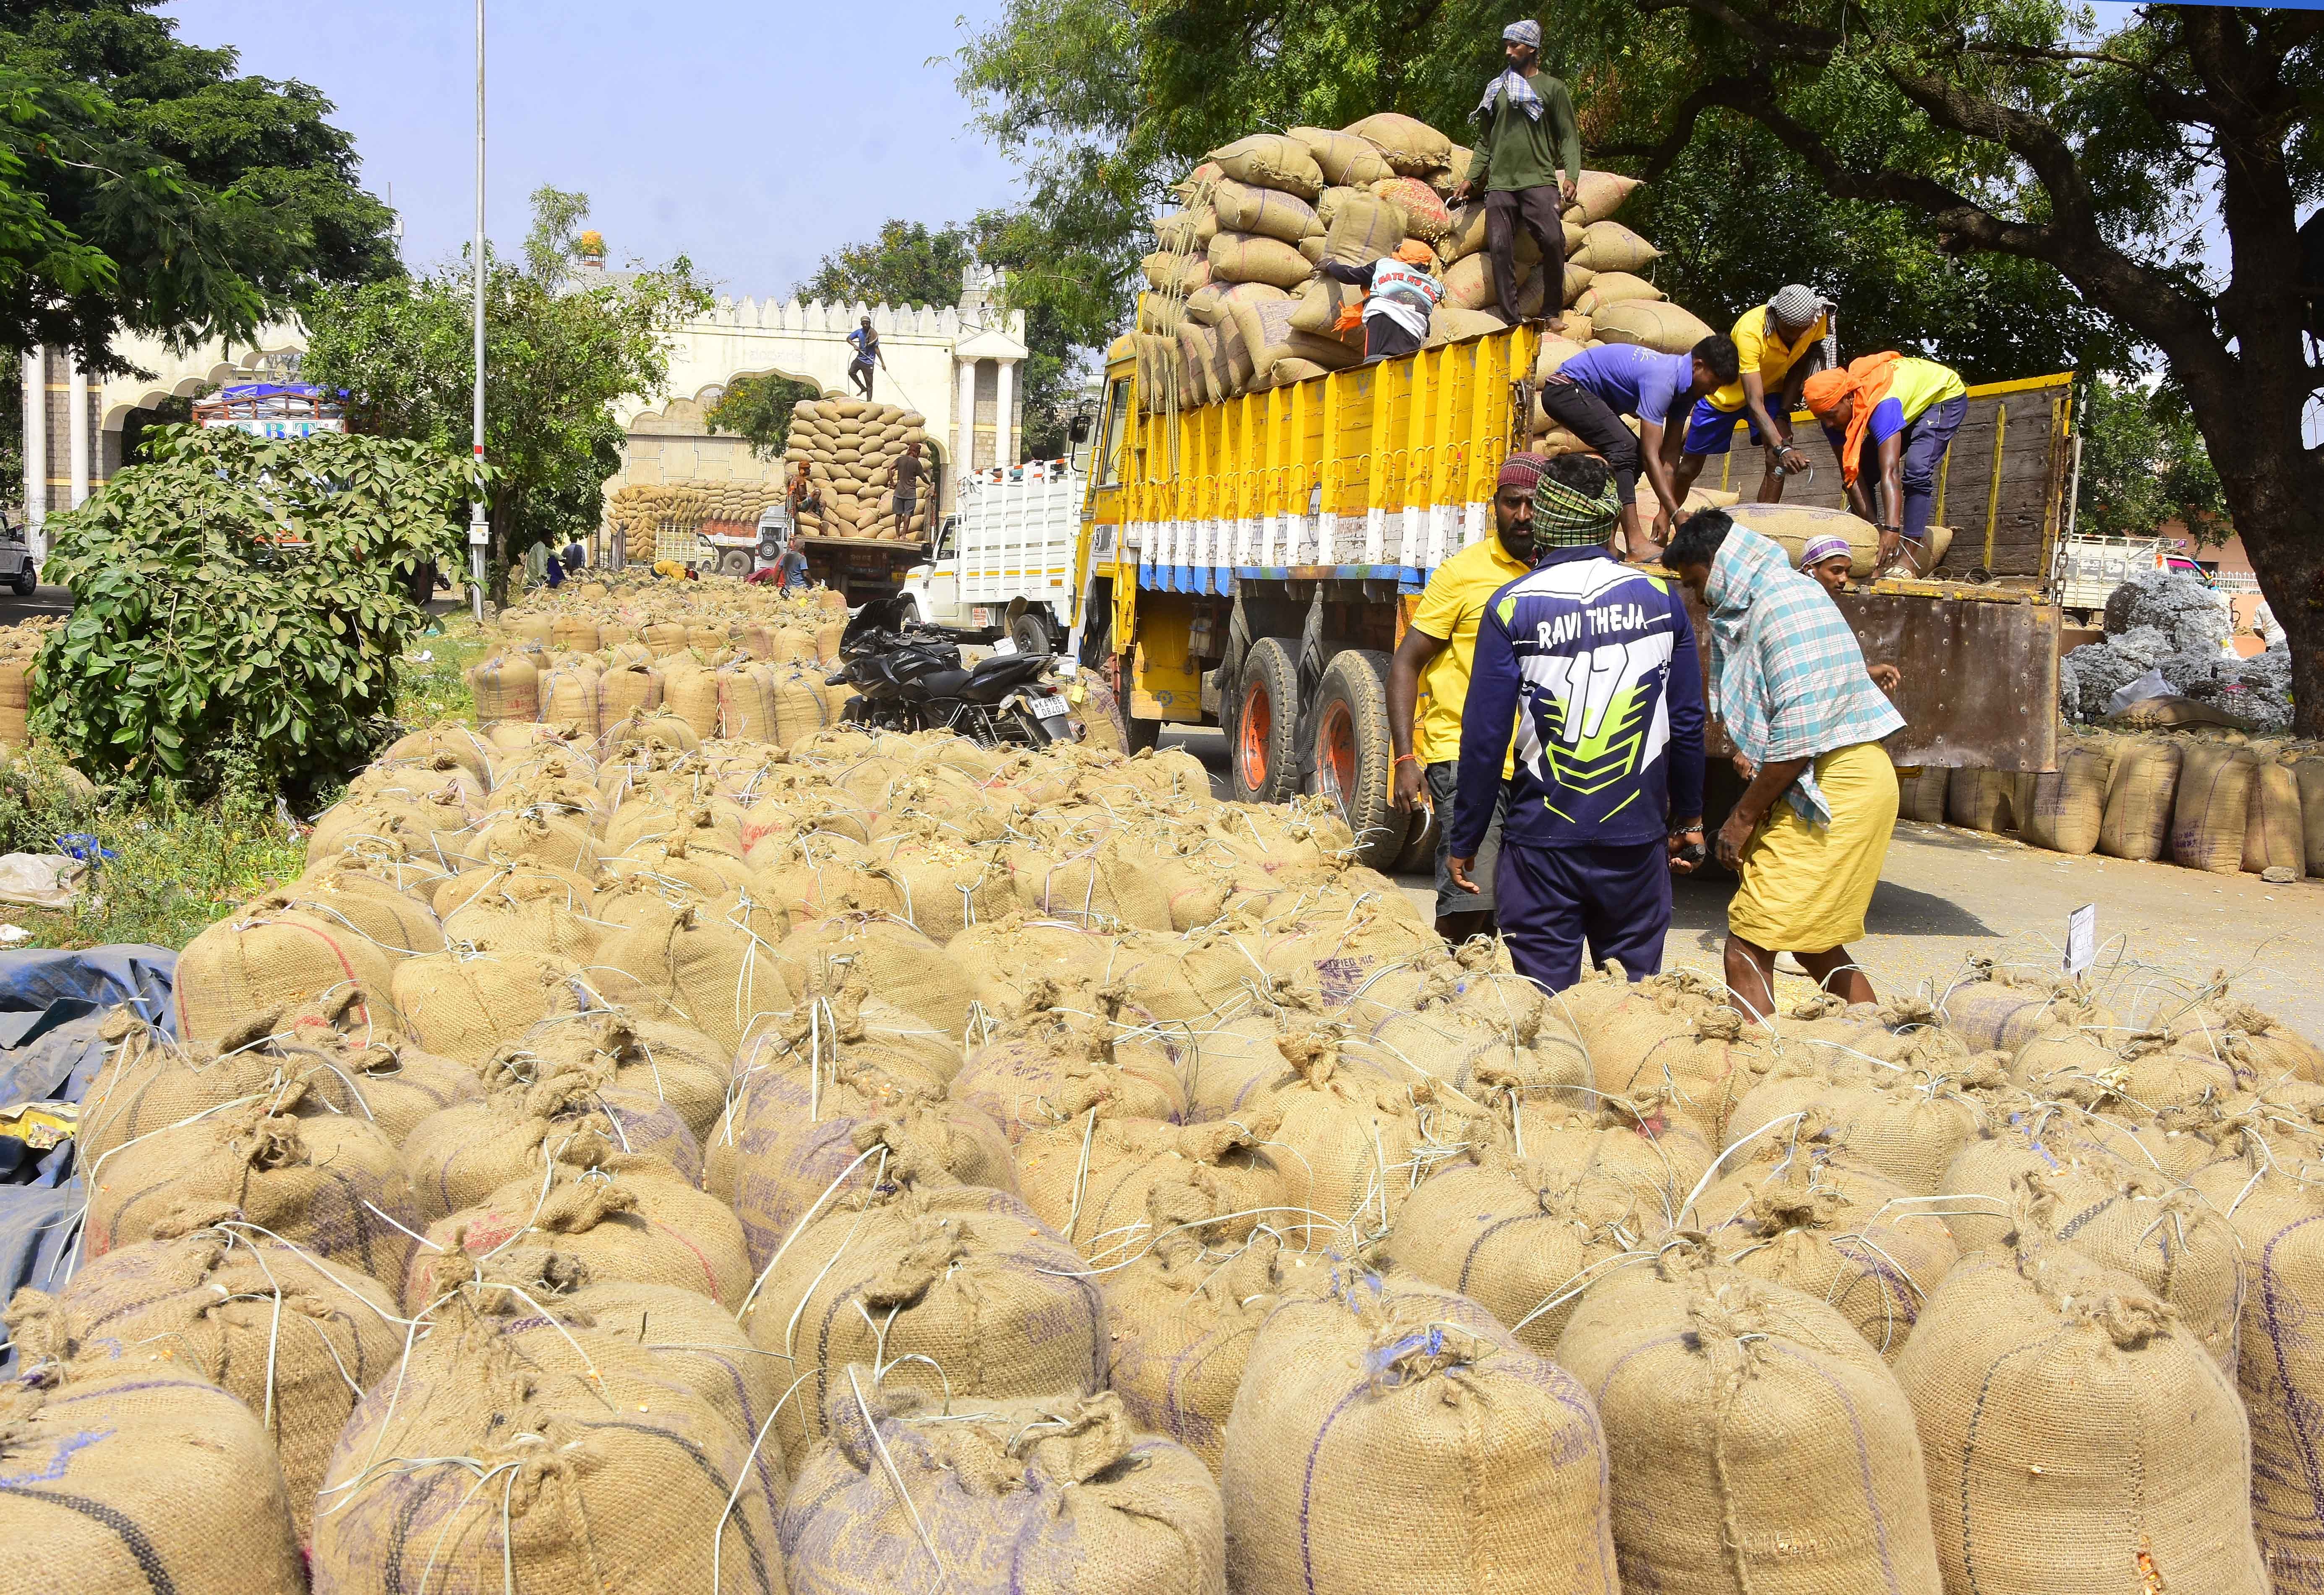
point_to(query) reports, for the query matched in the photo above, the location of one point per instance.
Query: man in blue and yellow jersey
(1906, 411)
(1777, 345)
(1436, 652)
(1594, 663)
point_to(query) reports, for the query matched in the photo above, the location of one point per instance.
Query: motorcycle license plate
(1049, 708)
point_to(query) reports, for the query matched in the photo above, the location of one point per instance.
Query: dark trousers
(1537, 211)
(1550, 898)
(1926, 438)
(1385, 338)
(859, 372)
(1590, 419)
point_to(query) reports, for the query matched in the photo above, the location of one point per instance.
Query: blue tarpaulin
(51, 1005)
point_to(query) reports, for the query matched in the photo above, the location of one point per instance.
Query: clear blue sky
(754, 138)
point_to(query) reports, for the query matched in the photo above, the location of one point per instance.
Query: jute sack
(1980, 800)
(550, 839)
(1005, 957)
(127, 1477)
(497, 921)
(1998, 1008)
(710, 971)
(1644, 1146)
(1598, 196)
(460, 1156)
(1271, 161)
(2272, 833)
(1609, 246)
(626, 1215)
(1794, 526)
(1347, 1140)
(507, 686)
(2209, 817)
(1522, 1237)
(1908, 1123)
(1144, 1514)
(2125, 1217)
(1829, 1226)
(574, 633)
(1092, 1179)
(460, 741)
(1043, 1066)
(1449, 325)
(945, 886)
(1669, 1042)
(1721, 1396)
(1270, 212)
(267, 957)
(568, 696)
(331, 1185)
(297, 1340)
(1425, 216)
(2230, 1028)
(660, 1501)
(810, 874)
(2140, 797)
(956, 1278)
(1610, 288)
(674, 1064)
(1664, 327)
(2273, 1206)
(2075, 1435)
(2069, 807)
(1409, 145)
(1345, 159)
(1247, 257)
(1410, 1394)
(461, 1006)
(890, 954)
(1113, 882)
(2309, 775)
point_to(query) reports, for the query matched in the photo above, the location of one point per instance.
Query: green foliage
(236, 594)
(759, 407)
(2142, 464)
(143, 187)
(557, 359)
(906, 264)
(554, 245)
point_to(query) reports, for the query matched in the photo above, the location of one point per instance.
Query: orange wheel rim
(1335, 756)
(1258, 725)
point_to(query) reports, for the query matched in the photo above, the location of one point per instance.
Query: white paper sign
(2081, 939)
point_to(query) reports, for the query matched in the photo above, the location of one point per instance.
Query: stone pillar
(36, 448)
(1004, 415)
(76, 427)
(965, 424)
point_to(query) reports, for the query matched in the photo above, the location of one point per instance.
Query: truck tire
(734, 562)
(1355, 763)
(1031, 634)
(1137, 736)
(1266, 721)
(1419, 855)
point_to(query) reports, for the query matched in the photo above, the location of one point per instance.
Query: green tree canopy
(906, 264)
(2142, 464)
(145, 187)
(758, 407)
(557, 357)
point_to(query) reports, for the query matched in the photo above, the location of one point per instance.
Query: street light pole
(479, 532)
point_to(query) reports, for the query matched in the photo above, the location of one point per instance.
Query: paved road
(1947, 895)
(43, 601)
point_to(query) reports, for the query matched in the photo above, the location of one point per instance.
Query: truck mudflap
(1979, 667)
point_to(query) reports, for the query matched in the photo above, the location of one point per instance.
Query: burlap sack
(1408, 144)
(1663, 1037)
(1606, 289)
(945, 886)
(1248, 257)
(1644, 1146)
(1920, 793)
(711, 968)
(554, 840)
(1825, 1224)
(1409, 1394)
(624, 1215)
(1145, 1516)
(297, 1340)
(1045, 1064)
(2210, 815)
(534, 1111)
(1346, 1143)
(331, 1185)
(409, 780)
(461, 1006)
(460, 741)
(1980, 800)
(1270, 212)
(2226, 1026)
(806, 877)
(507, 686)
(901, 964)
(2273, 837)
(1345, 159)
(1609, 246)
(1111, 883)
(1999, 1008)
(2069, 806)
(124, 1476)
(1908, 1123)
(959, 1278)
(1599, 195)
(1449, 325)
(1722, 1396)
(1092, 1179)
(1271, 161)
(2075, 1436)
(2141, 794)
(268, 956)
(668, 1498)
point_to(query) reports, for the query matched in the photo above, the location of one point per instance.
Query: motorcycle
(909, 676)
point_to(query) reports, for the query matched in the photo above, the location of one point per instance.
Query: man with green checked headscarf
(1594, 662)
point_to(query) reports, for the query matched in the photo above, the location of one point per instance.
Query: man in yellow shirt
(1777, 345)
(1437, 650)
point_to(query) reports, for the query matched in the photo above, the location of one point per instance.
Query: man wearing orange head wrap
(1909, 410)
(1400, 290)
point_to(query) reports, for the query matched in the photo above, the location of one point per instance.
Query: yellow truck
(1252, 563)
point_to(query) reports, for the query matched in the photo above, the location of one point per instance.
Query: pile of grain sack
(850, 447)
(20, 656)
(891, 1164)
(638, 512)
(1233, 309)
(2167, 636)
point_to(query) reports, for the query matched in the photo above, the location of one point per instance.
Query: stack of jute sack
(20, 655)
(1232, 308)
(725, 659)
(850, 448)
(2204, 798)
(891, 1164)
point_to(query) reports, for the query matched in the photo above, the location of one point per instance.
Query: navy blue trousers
(1549, 898)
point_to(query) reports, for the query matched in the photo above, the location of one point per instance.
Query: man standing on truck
(1776, 346)
(1438, 646)
(1590, 393)
(1529, 134)
(1908, 409)
(1399, 291)
(1595, 663)
(866, 344)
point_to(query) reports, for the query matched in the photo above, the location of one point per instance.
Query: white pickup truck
(1012, 537)
(2091, 567)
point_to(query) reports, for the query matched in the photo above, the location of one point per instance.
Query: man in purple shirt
(1590, 393)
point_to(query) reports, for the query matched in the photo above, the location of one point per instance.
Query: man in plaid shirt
(1788, 680)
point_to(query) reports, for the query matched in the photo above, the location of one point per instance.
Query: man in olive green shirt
(1529, 134)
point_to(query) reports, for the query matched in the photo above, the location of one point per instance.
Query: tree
(906, 264)
(2110, 158)
(557, 357)
(240, 596)
(759, 407)
(2143, 464)
(144, 188)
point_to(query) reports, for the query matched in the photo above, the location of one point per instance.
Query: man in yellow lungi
(1811, 831)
